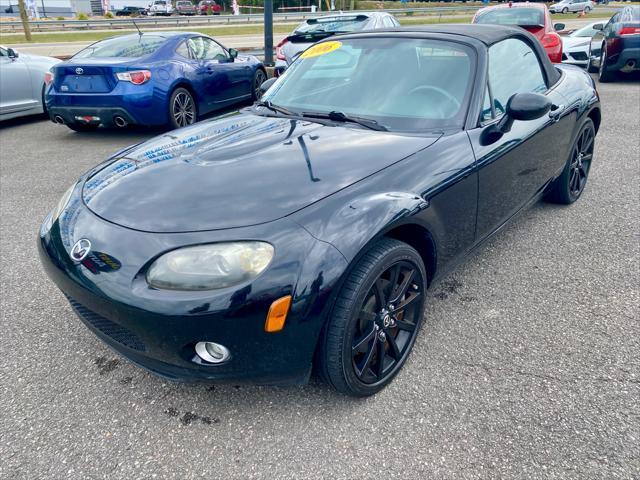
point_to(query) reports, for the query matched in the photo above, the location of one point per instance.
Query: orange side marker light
(277, 314)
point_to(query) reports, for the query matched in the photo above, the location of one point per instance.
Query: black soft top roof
(487, 34)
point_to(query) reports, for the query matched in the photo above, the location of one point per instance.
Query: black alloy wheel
(568, 187)
(182, 108)
(376, 319)
(258, 79)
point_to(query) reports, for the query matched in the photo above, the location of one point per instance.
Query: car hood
(239, 170)
(571, 42)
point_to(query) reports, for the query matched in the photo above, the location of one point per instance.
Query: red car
(534, 17)
(209, 6)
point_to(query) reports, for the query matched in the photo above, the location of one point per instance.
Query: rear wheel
(565, 10)
(604, 75)
(568, 187)
(258, 79)
(375, 320)
(182, 108)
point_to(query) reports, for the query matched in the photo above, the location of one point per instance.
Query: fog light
(212, 352)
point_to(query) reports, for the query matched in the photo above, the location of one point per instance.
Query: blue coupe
(164, 78)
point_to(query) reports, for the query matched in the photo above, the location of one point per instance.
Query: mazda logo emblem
(81, 249)
(79, 71)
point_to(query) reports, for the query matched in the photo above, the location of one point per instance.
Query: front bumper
(577, 57)
(158, 330)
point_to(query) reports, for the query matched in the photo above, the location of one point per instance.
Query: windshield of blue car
(402, 84)
(512, 16)
(128, 46)
(333, 24)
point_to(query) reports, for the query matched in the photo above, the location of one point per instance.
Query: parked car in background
(128, 11)
(533, 17)
(163, 78)
(206, 7)
(160, 7)
(575, 45)
(304, 232)
(22, 83)
(566, 6)
(313, 30)
(186, 7)
(616, 48)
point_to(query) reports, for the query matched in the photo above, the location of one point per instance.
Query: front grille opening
(111, 329)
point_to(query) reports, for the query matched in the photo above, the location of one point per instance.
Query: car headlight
(209, 267)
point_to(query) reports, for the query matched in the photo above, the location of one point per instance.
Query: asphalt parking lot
(527, 366)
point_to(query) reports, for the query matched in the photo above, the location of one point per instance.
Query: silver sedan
(22, 83)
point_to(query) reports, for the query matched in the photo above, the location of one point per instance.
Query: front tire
(258, 79)
(375, 320)
(568, 187)
(565, 10)
(182, 108)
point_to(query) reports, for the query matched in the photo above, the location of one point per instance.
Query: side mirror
(598, 26)
(521, 106)
(11, 53)
(233, 54)
(266, 85)
(558, 27)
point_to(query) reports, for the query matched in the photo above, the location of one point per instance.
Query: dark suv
(616, 47)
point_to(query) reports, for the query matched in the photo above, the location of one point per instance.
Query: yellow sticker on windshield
(321, 49)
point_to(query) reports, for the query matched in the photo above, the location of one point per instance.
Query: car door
(16, 93)
(516, 166)
(238, 72)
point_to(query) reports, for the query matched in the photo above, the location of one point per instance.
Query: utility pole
(25, 20)
(268, 32)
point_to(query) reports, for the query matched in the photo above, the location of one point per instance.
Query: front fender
(364, 218)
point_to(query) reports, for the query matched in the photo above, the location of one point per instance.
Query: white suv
(160, 7)
(566, 6)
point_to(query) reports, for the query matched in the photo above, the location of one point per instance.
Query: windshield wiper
(276, 108)
(341, 117)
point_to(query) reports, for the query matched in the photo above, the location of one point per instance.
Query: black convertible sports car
(304, 230)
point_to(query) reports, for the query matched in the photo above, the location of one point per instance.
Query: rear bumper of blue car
(135, 104)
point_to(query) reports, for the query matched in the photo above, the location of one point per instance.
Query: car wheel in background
(565, 10)
(258, 79)
(568, 187)
(375, 319)
(44, 103)
(182, 108)
(590, 67)
(587, 9)
(604, 75)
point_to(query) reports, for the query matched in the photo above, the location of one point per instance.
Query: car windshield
(587, 31)
(402, 84)
(127, 46)
(184, 4)
(512, 16)
(333, 24)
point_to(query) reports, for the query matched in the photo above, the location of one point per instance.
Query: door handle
(556, 112)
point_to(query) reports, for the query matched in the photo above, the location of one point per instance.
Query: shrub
(108, 15)
(59, 18)
(82, 16)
